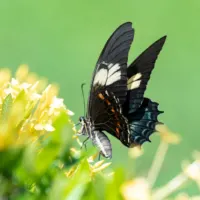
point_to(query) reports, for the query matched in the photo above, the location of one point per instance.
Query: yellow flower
(99, 166)
(135, 152)
(137, 189)
(76, 153)
(22, 73)
(182, 196)
(47, 127)
(167, 135)
(193, 170)
(28, 107)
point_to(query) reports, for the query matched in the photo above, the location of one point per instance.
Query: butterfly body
(100, 140)
(116, 102)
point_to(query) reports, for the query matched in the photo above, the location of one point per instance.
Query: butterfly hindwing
(142, 122)
(138, 74)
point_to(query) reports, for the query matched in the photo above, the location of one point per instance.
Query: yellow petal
(49, 127)
(193, 171)
(70, 113)
(102, 167)
(39, 127)
(98, 164)
(135, 152)
(137, 189)
(92, 158)
(22, 72)
(182, 196)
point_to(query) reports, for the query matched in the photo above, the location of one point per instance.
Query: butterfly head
(82, 119)
(83, 129)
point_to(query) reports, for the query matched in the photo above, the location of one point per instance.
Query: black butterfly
(116, 102)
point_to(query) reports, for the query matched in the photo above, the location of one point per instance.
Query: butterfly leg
(99, 156)
(84, 143)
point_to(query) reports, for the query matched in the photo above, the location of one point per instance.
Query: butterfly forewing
(109, 83)
(111, 69)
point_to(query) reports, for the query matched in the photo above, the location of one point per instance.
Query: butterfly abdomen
(100, 140)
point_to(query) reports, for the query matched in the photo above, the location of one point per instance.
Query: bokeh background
(61, 40)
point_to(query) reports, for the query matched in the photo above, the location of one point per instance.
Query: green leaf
(114, 185)
(52, 149)
(9, 160)
(31, 110)
(21, 96)
(6, 107)
(58, 185)
(73, 187)
(91, 192)
(77, 192)
(39, 158)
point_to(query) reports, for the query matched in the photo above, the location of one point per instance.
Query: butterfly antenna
(82, 85)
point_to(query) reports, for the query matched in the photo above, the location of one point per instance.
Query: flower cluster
(28, 107)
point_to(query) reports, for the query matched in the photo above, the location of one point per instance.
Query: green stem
(157, 163)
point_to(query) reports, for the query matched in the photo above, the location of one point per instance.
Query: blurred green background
(61, 40)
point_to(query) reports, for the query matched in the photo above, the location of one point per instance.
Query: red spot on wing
(117, 132)
(118, 124)
(108, 102)
(113, 110)
(100, 95)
